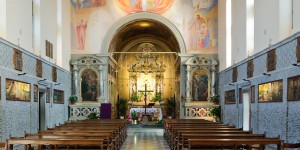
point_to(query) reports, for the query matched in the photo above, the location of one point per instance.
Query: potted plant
(73, 99)
(135, 97)
(215, 112)
(170, 110)
(93, 115)
(122, 107)
(134, 117)
(215, 99)
(157, 97)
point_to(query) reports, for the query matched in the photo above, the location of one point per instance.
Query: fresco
(155, 6)
(79, 4)
(196, 20)
(202, 27)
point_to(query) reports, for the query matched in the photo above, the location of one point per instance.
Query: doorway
(42, 111)
(246, 109)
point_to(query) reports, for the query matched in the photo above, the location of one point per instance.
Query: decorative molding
(80, 112)
(137, 16)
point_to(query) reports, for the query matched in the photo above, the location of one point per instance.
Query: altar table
(149, 110)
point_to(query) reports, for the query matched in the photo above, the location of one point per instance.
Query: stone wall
(19, 116)
(274, 118)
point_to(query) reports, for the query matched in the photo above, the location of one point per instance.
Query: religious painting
(293, 92)
(200, 85)
(271, 60)
(298, 50)
(17, 90)
(39, 68)
(149, 80)
(202, 27)
(230, 97)
(18, 60)
(58, 97)
(54, 74)
(35, 93)
(234, 74)
(270, 92)
(48, 97)
(252, 90)
(155, 6)
(81, 4)
(89, 85)
(240, 95)
(250, 68)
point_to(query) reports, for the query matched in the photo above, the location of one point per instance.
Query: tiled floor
(145, 139)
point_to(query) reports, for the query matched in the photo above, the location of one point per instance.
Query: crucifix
(145, 99)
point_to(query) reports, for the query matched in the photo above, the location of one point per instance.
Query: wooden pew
(235, 142)
(183, 139)
(106, 137)
(30, 142)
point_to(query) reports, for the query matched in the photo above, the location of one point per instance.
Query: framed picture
(39, 68)
(234, 74)
(58, 97)
(293, 92)
(35, 93)
(54, 74)
(270, 92)
(18, 60)
(230, 97)
(250, 68)
(48, 95)
(271, 60)
(240, 95)
(17, 90)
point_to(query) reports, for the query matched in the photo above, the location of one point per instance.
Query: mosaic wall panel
(272, 118)
(15, 114)
(293, 135)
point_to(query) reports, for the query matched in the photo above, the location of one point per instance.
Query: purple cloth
(105, 111)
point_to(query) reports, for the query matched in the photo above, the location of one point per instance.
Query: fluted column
(188, 85)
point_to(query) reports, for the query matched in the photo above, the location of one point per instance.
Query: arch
(137, 16)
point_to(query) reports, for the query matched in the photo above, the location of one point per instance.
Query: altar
(149, 111)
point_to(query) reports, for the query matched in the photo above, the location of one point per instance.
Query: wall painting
(35, 93)
(293, 88)
(58, 97)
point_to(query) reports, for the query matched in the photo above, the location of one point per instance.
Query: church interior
(128, 64)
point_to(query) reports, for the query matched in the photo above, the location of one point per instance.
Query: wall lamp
(247, 80)
(43, 80)
(294, 64)
(231, 84)
(266, 74)
(57, 83)
(21, 74)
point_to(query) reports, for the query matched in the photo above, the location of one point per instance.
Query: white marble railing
(81, 111)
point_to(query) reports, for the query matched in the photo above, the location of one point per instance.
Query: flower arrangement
(135, 97)
(215, 99)
(158, 97)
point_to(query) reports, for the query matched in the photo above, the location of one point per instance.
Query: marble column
(76, 80)
(188, 86)
(213, 79)
(100, 85)
(101, 80)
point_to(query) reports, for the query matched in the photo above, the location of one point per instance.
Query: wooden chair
(291, 145)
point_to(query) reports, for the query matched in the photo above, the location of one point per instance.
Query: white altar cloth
(149, 110)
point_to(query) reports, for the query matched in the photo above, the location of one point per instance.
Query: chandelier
(146, 62)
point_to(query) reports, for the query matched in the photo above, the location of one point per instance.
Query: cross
(146, 94)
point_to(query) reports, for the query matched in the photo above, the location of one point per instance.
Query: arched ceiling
(134, 33)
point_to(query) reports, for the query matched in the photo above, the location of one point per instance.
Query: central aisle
(145, 139)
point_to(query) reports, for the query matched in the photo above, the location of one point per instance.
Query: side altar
(88, 85)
